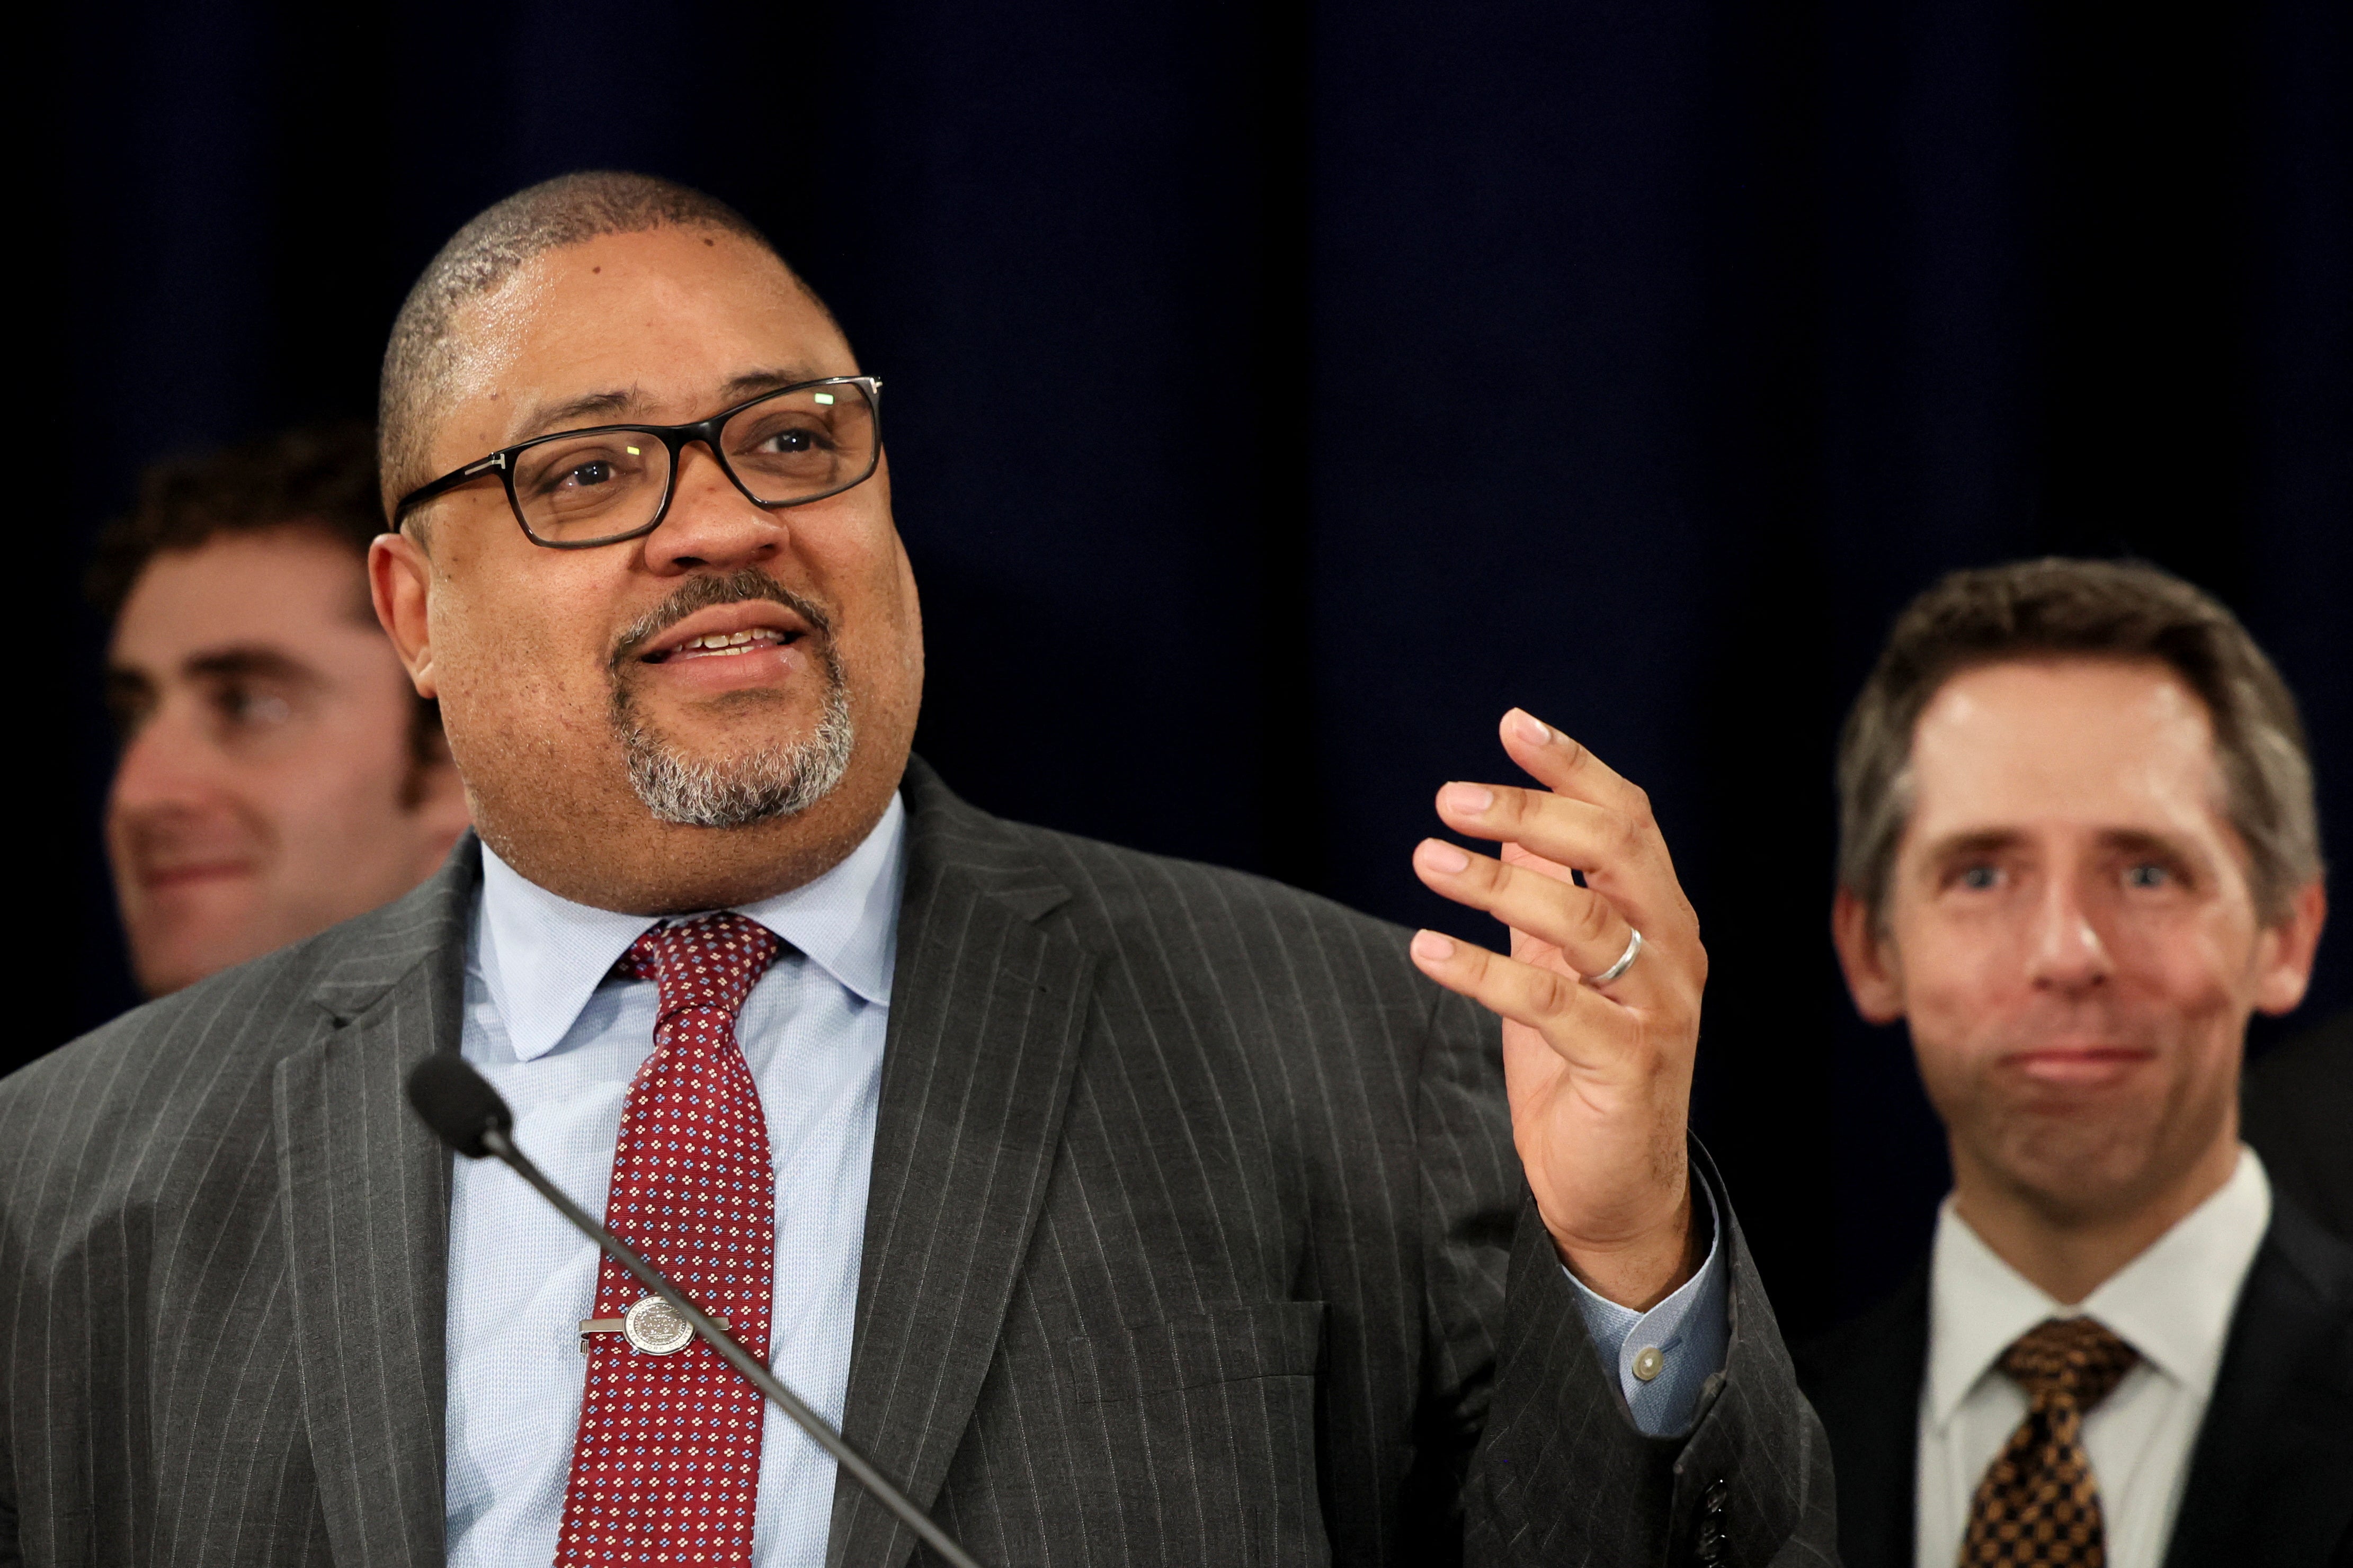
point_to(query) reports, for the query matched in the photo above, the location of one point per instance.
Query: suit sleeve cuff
(1664, 1357)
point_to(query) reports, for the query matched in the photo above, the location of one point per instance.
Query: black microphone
(468, 1114)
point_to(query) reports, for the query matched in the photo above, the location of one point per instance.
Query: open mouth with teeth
(746, 641)
(724, 645)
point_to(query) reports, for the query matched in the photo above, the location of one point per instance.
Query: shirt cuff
(1664, 1357)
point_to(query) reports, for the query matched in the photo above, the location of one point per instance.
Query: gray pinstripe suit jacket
(1195, 1237)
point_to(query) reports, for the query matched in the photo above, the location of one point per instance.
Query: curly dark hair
(320, 478)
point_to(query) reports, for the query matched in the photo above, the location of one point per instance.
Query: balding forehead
(438, 340)
(561, 311)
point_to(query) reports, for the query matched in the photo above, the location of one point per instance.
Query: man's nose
(712, 524)
(163, 766)
(2068, 952)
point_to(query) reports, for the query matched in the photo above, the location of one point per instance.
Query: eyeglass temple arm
(495, 463)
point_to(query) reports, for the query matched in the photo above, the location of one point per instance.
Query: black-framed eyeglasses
(579, 488)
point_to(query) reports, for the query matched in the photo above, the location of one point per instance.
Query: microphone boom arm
(495, 1141)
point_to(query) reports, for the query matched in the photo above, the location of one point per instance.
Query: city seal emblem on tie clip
(652, 1326)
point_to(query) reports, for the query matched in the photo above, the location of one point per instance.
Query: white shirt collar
(2172, 1304)
(543, 956)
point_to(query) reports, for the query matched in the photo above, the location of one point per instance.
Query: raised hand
(1598, 1074)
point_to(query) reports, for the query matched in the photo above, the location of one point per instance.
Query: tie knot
(711, 961)
(2074, 1361)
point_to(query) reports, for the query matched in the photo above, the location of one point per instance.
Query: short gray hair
(2087, 609)
(568, 210)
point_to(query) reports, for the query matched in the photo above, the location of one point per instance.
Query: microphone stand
(488, 1135)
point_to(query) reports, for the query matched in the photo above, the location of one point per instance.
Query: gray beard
(772, 782)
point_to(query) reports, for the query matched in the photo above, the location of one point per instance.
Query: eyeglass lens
(793, 447)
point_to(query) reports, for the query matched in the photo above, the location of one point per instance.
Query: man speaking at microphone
(1122, 1210)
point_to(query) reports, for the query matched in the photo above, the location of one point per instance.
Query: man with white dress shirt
(1122, 1210)
(2078, 849)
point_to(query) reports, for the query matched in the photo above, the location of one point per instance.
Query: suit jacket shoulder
(2271, 1476)
(145, 1108)
(154, 1069)
(1865, 1380)
(2297, 1103)
(1199, 925)
(221, 1256)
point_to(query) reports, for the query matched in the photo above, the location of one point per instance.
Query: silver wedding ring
(1625, 962)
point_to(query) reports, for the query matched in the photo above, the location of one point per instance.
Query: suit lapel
(986, 1014)
(2271, 1474)
(363, 1191)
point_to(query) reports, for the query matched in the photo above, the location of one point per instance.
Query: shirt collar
(541, 956)
(2172, 1304)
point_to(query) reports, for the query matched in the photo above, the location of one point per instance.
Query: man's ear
(1873, 977)
(400, 581)
(2284, 950)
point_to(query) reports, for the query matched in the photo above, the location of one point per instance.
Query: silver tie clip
(651, 1326)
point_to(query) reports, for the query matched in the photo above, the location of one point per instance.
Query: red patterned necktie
(2039, 1504)
(666, 1461)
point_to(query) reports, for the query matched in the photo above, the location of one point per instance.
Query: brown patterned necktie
(2040, 1504)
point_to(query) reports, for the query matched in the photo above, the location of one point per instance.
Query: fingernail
(1469, 797)
(1429, 944)
(1441, 856)
(1532, 730)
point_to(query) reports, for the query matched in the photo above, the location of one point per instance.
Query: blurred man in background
(279, 773)
(2077, 851)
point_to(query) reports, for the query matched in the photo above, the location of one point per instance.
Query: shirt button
(1649, 1362)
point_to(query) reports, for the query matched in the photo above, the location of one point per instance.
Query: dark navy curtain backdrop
(1278, 393)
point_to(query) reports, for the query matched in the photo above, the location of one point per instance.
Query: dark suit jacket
(1196, 1236)
(2271, 1473)
(2296, 1108)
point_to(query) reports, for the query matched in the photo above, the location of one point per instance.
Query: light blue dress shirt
(1690, 1330)
(546, 1021)
(562, 1040)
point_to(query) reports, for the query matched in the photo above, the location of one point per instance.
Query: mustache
(697, 594)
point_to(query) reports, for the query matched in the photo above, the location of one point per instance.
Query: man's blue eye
(1978, 878)
(2147, 876)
